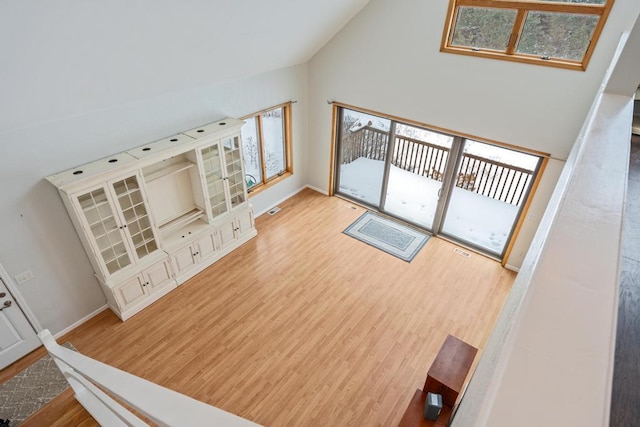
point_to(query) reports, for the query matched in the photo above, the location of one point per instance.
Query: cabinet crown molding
(143, 155)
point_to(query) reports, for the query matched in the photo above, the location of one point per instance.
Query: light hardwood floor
(301, 326)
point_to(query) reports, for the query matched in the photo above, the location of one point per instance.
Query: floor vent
(274, 211)
(461, 252)
(355, 208)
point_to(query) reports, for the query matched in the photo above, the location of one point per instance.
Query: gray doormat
(31, 389)
(387, 235)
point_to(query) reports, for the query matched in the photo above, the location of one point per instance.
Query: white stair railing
(165, 407)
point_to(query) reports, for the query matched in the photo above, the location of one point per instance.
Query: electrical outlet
(23, 277)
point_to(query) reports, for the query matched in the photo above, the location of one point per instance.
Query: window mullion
(517, 30)
(261, 148)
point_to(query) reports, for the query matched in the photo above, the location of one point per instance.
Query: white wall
(36, 231)
(84, 56)
(534, 214)
(550, 358)
(387, 59)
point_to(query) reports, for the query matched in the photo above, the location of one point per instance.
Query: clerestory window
(560, 33)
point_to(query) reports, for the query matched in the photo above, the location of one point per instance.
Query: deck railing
(367, 142)
(420, 157)
(490, 178)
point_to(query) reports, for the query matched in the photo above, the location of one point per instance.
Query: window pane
(490, 185)
(251, 152)
(484, 28)
(557, 35)
(418, 162)
(273, 134)
(364, 140)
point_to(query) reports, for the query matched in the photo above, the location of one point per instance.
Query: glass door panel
(416, 172)
(214, 179)
(107, 235)
(136, 216)
(363, 143)
(235, 176)
(491, 184)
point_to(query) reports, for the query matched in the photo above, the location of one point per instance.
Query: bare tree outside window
(265, 145)
(560, 33)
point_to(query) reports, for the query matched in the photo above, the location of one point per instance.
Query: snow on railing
(490, 178)
(165, 407)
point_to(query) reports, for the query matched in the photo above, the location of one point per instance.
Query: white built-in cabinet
(152, 217)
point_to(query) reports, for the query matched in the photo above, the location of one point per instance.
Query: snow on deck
(472, 217)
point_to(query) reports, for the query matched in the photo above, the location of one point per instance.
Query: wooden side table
(449, 369)
(446, 377)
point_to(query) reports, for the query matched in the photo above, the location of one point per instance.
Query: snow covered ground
(478, 219)
(272, 131)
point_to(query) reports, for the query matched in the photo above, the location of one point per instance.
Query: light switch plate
(23, 277)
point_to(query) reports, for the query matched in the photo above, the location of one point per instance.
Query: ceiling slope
(93, 54)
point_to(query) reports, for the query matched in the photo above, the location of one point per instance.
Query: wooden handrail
(90, 380)
(496, 163)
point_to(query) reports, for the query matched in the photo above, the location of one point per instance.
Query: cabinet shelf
(122, 194)
(170, 170)
(181, 221)
(144, 243)
(88, 206)
(110, 254)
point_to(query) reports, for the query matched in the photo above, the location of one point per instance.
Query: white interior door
(17, 336)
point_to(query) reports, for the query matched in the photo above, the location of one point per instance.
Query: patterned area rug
(387, 235)
(31, 389)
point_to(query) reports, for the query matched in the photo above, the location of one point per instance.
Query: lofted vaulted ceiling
(122, 50)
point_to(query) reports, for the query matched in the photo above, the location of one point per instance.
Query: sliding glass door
(416, 172)
(363, 140)
(491, 185)
(469, 191)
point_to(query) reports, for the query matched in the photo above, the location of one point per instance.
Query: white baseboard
(81, 321)
(512, 268)
(317, 189)
(287, 197)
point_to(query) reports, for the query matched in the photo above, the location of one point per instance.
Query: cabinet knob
(3, 294)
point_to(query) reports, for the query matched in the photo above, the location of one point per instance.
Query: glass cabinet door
(235, 176)
(104, 228)
(214, 179)
(135, 215)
